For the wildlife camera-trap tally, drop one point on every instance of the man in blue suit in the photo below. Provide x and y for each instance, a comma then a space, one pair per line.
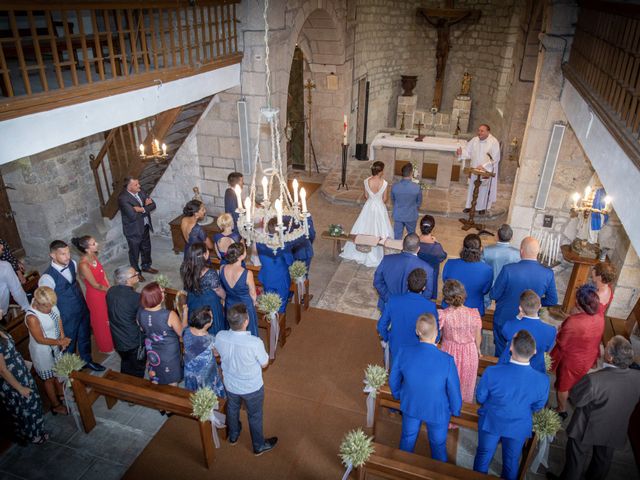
514, 279
509, 394
392, 274
407, 197
425, 380
527, 319
230, 198
302, 248
500, 254
397, 325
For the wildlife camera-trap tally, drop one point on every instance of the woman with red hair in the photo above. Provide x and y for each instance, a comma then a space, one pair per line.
577, 344
162, 330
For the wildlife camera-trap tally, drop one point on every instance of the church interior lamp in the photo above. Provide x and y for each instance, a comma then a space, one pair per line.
592, 210
157, 151
285, 207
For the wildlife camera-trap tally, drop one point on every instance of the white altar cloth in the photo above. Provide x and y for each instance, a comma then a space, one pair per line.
427, 143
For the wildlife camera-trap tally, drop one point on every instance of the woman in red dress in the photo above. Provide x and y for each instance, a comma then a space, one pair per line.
96, 286
577, 344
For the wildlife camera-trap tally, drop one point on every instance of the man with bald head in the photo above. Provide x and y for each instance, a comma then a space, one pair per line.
514, 279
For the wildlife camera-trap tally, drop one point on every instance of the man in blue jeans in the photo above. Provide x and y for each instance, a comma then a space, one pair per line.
243, 358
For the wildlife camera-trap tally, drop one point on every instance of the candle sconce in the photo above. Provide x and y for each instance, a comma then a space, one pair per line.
583, 205
586, 242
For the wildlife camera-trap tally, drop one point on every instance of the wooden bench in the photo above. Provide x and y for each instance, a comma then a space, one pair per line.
468, 419
337, 242
116, 386
391, 463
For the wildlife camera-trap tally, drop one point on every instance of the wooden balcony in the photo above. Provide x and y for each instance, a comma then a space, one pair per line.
55, 54
604, 67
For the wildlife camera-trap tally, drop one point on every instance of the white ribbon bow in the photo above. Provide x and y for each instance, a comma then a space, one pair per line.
371, 403
542, 457
69, 402
275, 333
218, 420
300, 287
348, 471
385, 346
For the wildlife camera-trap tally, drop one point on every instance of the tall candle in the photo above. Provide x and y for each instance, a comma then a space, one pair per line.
279, 211
265, 187
576, 197
295, 190
303, 197
157, 144
587, 192
238, 191
164, 148
247, 206
607, 201
141, 149
344, 132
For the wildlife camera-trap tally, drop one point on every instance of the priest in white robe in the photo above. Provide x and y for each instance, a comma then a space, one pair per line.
484, 152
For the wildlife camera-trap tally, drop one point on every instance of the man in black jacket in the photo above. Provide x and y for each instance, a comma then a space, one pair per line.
122, 307
604, 401
136, 207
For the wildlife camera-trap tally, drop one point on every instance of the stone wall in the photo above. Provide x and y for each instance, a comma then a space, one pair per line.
55, 197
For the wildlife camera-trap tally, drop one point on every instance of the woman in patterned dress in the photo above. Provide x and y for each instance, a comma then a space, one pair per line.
19, 394
461, 330
162, 329
46, 343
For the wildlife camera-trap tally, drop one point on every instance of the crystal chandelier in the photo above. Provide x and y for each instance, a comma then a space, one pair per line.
289, 211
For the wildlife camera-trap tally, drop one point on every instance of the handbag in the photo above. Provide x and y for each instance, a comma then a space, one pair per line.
141, 353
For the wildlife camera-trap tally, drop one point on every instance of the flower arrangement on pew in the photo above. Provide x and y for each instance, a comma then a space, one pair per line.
162, 280
204, 403
375, 377
546, 423
336, 230
298, 272
270, 304
355, 450
68, 362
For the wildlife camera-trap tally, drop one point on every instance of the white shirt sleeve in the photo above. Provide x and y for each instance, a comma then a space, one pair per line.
15, 287
46, 280
466, 150
261, 355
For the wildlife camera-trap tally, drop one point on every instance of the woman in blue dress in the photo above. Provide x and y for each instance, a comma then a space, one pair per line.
192, 213
239, 285
202, 285
226, 237
200, 367
274, 272
470, 271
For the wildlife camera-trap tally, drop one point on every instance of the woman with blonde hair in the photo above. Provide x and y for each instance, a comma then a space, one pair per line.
46, 343
226, 237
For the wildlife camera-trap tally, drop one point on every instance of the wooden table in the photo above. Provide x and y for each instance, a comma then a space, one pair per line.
579, 274
337, 241
176, 233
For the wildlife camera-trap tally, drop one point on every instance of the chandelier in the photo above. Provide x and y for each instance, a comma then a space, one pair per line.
290, 211
156, 153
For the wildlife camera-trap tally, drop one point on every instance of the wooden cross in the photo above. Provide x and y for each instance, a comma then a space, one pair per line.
442, 19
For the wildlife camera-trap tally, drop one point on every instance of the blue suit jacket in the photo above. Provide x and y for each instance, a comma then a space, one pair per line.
407, 198
302, 248
230, 205
397, 325
434, 255
476, 278
515, 279
509, 395
544, 335
274, 272
499, 255
393, 272
425, 380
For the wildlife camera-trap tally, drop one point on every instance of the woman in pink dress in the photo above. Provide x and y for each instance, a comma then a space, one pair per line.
96, 286
461, 335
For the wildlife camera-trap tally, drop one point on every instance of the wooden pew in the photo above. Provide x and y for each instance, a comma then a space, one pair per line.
468, 419
391, 463
116, 386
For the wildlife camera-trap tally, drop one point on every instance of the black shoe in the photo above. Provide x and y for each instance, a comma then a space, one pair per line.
234, 441
140, 277
466, 210
151, 270
96, 367
268, 444
552, 476
482, 212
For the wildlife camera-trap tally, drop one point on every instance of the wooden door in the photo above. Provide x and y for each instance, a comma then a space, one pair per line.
8, 228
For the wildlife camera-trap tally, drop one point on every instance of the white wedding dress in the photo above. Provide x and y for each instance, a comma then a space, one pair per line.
373, 220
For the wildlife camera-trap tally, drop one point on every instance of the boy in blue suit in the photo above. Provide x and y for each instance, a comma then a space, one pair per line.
514, 279
407, 197
425, 380
509, 395
393, 272
543, 334
397, 325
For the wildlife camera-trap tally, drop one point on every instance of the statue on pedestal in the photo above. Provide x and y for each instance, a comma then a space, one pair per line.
465, 88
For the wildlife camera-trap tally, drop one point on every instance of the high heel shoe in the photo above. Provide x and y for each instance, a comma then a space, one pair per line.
54, 407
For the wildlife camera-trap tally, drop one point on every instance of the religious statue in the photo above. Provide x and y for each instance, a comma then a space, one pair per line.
466, 84
197, 195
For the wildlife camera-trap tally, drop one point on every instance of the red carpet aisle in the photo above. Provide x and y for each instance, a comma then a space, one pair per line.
313, 397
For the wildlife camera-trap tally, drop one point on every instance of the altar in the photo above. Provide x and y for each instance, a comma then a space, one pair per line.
435, 156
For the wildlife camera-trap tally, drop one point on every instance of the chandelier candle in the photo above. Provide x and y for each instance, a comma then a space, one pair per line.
303, 196
265, 191
247, 207
238, 191
295, 190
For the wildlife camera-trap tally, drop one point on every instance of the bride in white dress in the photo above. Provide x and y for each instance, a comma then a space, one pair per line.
373, 219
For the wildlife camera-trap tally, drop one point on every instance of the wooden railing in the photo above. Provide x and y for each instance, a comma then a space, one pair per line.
604, 66
55, 53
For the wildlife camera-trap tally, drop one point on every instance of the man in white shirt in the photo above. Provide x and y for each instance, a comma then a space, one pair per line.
243, 358
10, 286
484, 152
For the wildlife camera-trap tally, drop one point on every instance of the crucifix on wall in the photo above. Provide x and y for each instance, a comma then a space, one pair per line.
442, 19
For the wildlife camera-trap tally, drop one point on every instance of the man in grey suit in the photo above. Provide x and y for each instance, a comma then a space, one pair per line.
407, 197
604, 401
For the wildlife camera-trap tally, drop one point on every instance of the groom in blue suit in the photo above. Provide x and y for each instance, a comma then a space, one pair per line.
392, 274
407, 197
425, 380
509, 394
397, 325
514, 279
